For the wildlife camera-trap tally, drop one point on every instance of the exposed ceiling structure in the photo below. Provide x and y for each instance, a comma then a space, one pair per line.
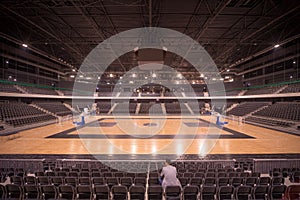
230, 30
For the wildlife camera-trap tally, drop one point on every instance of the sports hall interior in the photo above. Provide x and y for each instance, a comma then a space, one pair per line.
95, 96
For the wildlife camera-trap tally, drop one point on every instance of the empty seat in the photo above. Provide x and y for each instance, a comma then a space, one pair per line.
190, 192
137, 192
66, 191
223, 181
277, 181
48, 192
13, 191
31, 192
119, 192
264, 180
172, 192
126, 181
196, 181
101, 192
260, 192
155, 192
243, 192
292, 192
84, 192
277, 192
208, 192
225, 192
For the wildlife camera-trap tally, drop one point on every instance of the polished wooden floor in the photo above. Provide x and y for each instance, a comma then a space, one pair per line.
140, 135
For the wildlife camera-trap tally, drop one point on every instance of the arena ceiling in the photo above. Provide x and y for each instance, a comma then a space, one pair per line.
230, 30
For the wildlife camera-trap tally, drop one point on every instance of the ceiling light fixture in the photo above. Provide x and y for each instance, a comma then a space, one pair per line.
276, 45
24, 45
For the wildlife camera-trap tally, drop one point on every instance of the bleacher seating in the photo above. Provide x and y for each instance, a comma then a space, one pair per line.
8, 88
106, 94
282, 110
35, 90
103, 107
71, 93
125, 108
269, 122
55, 107
176, 108
155, 108
173, 108
246, 108
19, 114
233, 93
71, 179
292, 88
264, 90
143, 94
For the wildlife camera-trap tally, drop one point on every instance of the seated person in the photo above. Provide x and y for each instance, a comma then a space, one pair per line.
169, 174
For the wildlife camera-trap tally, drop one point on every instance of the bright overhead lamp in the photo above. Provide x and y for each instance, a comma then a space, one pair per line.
276, 45
73, 70
72, 76
24, 45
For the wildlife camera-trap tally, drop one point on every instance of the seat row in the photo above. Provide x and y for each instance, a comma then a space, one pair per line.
226, 192
128, 181
74, 181
225, 181
90, 174
138, 192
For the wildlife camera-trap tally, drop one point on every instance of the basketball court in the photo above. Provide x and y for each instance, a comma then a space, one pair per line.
105, 135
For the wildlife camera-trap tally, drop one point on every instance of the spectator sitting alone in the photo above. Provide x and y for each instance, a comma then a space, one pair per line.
169, 175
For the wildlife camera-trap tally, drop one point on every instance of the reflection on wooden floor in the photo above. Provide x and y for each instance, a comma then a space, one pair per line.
142, 135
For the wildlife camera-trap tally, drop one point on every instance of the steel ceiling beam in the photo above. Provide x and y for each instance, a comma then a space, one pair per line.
95, 26
40, 28
216, 12
259, 30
